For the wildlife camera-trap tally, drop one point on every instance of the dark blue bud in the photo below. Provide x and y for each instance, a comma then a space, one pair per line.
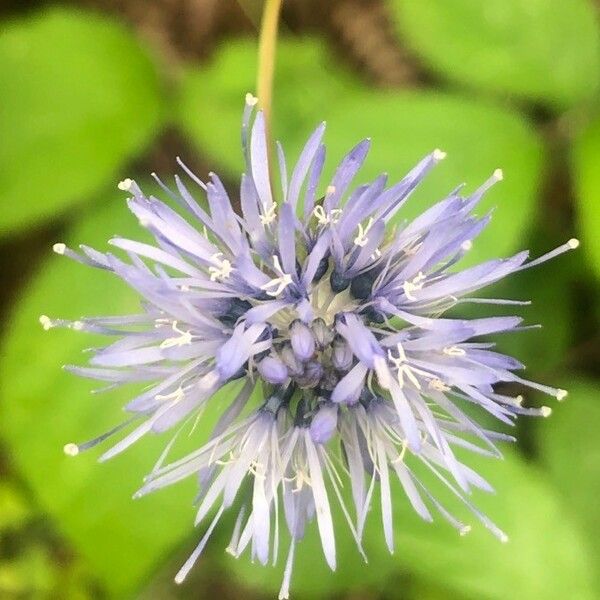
321, 269
303, 340
362, 286
338, 282
371, 314
237, 308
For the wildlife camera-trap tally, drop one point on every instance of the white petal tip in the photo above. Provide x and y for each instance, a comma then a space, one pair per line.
71, 449
125, 185
439, 154
498, 175
561, 394
573, 243
546, 411
251, 99
46, 322
59, 248
464, 530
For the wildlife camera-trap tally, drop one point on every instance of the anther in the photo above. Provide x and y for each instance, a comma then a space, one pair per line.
413, 285
59, 248
223, 270
251, 99
46, 322
361, 239
183, 339
453, 351
125, 185
269, 216
561, 394
279, 283
71, 449
439, 154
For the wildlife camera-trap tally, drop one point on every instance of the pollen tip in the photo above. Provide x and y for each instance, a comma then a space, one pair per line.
439, 154
251, 99
125, 185
519, 400
71, 449
498, 175
77, 325
573, 243
330, 189
45, 322
467, 245
464, 530
546, 411
561, 394
59, 248
503, 538
179, 579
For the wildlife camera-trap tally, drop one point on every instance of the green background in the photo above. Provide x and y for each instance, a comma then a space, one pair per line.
93, 92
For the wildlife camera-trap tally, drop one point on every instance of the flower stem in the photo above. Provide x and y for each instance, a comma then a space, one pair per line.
266, 59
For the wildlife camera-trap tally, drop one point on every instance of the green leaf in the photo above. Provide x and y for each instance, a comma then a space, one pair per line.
570, 450
404, 126
586, 157
80, 97
14, 509
43, 407
540, 529
545, 51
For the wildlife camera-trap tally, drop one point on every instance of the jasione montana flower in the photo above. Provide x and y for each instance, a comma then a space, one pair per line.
325, 321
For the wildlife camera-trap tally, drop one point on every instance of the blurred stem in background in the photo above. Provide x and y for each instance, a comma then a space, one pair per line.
266, 60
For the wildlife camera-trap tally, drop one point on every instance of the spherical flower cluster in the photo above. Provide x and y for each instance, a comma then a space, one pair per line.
326, 322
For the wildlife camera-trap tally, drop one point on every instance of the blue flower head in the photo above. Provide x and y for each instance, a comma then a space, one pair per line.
328, 325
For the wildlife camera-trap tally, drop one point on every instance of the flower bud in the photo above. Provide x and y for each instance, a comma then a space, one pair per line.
295, 367
303, 341
342, 354
324, 423
313, 371
273, 370
323, 334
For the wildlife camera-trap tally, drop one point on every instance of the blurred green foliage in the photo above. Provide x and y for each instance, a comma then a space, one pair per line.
545, 50
82, 96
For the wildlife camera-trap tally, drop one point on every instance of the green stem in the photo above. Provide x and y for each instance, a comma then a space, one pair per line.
266, 60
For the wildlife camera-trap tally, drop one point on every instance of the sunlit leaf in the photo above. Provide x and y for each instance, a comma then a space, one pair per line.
540, 532
79, 98
587, 180
570, 450
544, 51
404, 126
